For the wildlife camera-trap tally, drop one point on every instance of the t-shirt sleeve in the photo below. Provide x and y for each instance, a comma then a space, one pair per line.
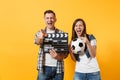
93, 40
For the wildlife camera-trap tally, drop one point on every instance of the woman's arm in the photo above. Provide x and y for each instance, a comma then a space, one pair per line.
91, 48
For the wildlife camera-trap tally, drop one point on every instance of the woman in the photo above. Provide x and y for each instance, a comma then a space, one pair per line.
86, 66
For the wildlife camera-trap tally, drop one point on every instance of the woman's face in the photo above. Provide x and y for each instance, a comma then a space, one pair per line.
79, 27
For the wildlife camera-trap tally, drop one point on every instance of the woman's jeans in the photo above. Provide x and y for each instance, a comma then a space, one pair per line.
87, 76
50, 74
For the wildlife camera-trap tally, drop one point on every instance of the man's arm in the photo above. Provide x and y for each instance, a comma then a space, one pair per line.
58, 56
38, 41
39, 37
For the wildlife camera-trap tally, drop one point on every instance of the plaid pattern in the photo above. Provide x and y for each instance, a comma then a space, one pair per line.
41, 57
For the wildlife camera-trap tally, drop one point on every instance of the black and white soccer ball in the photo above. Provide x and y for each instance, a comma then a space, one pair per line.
78, 46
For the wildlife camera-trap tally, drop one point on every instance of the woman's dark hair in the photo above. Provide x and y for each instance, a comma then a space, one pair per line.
74, 35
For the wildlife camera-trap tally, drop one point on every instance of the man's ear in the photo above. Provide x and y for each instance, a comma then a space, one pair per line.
55, 19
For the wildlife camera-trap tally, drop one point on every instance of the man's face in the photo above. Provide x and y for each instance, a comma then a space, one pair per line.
50, 20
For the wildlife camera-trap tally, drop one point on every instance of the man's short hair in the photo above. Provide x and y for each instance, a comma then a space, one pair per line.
49, 11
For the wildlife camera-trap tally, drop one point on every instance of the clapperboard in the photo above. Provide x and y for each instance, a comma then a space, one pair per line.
56, 41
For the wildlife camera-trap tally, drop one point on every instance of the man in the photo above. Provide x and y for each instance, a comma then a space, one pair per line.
50, 65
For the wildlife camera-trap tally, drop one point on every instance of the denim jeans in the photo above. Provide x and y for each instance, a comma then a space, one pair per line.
87, 76
50, 74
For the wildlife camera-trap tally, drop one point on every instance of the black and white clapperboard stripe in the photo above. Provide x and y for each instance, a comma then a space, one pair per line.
56, 41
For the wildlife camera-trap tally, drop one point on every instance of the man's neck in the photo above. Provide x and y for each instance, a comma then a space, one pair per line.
50, 29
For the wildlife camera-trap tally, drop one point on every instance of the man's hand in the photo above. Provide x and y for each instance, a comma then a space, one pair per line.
42, 34
40, 37
56, 55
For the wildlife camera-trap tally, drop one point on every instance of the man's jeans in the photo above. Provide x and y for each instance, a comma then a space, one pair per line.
87, 76
50, 74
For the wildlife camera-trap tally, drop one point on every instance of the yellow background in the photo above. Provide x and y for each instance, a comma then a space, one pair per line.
21, 19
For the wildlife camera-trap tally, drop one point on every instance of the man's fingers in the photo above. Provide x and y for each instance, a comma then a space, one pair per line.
44, 33
52, 51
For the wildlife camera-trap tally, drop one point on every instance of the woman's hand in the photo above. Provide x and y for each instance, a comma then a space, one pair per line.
85, 39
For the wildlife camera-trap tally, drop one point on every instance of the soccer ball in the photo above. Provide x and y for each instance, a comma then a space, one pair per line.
78, 46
